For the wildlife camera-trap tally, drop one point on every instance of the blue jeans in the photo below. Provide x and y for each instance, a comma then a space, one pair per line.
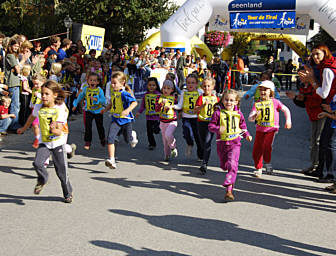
15, 106
5, 123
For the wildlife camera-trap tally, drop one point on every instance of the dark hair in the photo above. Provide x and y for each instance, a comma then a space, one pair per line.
325, 50
10, 44
55, 88
267, 73
154, 79
94, 74
192, 75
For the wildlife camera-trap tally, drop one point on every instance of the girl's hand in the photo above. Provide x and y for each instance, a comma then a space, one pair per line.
12, 115
322, 115
288, 126
326, 108
124, 113
222, 129
137, 115
20, 130
249, 138
52, 126
164, 101
73, 109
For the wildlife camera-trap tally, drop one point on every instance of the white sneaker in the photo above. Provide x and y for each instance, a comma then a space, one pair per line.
189, 150
258, 173
134, 141
174, 153
110, 163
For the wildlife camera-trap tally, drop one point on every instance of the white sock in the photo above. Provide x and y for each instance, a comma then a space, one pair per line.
112, 159
68, 148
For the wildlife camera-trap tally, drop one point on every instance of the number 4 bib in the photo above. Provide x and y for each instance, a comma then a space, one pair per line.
230, 120
266, 117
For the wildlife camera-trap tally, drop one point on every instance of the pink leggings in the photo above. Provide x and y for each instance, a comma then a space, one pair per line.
167, 131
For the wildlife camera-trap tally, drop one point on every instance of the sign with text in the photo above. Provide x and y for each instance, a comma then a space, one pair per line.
246, 20
261, 5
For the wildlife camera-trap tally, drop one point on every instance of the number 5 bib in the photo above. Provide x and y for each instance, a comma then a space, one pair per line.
189, 102
46, 117
266, 117
230, 121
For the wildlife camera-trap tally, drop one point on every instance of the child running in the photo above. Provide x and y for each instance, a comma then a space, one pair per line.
152, 117
95, 100
229, 125
53, 128
266, 113
38, 80
121, 103
168, 119
187, 103
205, 108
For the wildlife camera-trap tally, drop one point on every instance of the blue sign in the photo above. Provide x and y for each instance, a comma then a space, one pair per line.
260, 5
95, 42
245, 20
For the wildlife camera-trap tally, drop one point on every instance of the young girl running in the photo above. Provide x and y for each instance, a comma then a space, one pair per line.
205, 108
266, 113
38, 80
187, 103
53, 129
95, 100
229, 125
152, 117
168, 119
121, 104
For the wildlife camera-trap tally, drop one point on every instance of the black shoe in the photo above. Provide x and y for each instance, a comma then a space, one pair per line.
327, 179
150, 147
308, 170
313, 174
203, 168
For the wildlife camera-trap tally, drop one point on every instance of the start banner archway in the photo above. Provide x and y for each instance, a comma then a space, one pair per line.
243, 14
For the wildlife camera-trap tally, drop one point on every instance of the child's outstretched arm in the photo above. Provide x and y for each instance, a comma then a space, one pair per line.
78, 99
28, 123
129, 109
250, 93
287, 113
253, 114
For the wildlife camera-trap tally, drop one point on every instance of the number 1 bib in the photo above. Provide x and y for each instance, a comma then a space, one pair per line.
150, 104
266, 117
90, 104
206, 112
189, 102
46, 117
35, 99
116, 104
230, 120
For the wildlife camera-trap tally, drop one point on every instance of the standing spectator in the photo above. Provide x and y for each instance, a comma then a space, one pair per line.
2, 52
180, 64
289, 70
240, 72
55, 43
37, 48
62, 52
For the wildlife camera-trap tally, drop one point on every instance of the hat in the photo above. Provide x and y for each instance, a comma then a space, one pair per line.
267, 84
168, 83
51, 52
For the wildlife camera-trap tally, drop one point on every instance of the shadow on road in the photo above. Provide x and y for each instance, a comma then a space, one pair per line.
133, 252
4, 198
226, 231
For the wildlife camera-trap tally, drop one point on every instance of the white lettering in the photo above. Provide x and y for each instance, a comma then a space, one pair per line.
190, 16
248, 5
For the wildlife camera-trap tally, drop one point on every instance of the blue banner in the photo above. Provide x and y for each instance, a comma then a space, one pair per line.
261, 5
245, 20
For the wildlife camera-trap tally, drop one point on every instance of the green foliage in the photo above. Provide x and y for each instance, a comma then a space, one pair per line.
240, 43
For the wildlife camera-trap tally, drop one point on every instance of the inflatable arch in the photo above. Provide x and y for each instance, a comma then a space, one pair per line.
178, 30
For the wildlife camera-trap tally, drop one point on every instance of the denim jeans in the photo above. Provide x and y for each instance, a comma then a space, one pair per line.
5, 123
15, 106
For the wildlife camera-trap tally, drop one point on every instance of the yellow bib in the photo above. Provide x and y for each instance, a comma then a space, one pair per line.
206, 112
164, 113
46, 117
90, 104
189, 102
116, 104
230, 120
34, 99
150, 104
266, 117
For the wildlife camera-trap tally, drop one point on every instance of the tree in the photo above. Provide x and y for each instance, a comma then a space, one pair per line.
124, 21
323, 38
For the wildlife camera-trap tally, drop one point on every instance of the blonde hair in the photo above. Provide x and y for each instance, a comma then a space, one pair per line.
121, 77
56, 68
226, 92
210, 79
26, 68
4, 99
39, 77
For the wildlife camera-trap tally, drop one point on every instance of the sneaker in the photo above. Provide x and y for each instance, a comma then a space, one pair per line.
150, 147
110, 163
3, 133
331, 187
189, 151
174, 153
309, 170
199, 160
103, 142
229, 196
258, 173
203, 168
35, 143
167, 158
134, 141
38, 188
73, 151
269, 169
68, 200
87, 145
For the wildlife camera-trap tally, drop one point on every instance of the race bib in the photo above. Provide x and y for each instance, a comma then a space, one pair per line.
167, 114
230, 121
46, 117
189, 102
91, 98
206, 112
35, 99
150, 104
266, 117
116, 104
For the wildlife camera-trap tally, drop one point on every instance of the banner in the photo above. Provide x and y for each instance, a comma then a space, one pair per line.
245, 20
93, 38
264, 5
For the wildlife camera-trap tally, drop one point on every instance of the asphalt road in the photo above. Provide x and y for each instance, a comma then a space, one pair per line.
149, 207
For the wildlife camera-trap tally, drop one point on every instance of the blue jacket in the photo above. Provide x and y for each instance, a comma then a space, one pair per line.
100, 100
